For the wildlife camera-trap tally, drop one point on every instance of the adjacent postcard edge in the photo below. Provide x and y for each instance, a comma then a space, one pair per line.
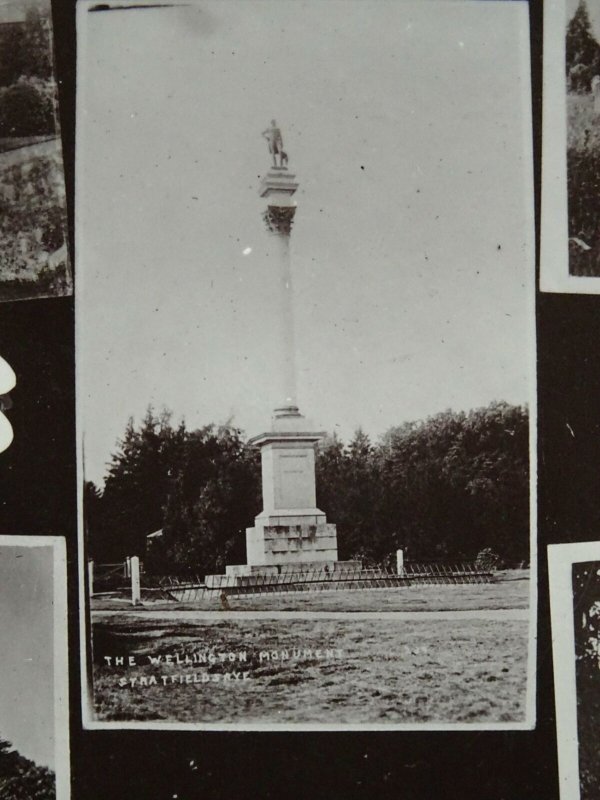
561, 558
61, 657
554, 247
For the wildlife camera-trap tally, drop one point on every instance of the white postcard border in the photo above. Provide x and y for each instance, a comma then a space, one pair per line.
561, 558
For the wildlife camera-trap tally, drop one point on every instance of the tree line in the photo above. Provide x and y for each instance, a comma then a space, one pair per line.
443, 488
22, 779
27, 89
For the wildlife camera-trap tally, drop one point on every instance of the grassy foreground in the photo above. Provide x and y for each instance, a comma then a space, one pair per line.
312, 671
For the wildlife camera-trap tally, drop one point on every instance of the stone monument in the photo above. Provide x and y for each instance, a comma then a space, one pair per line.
290, 534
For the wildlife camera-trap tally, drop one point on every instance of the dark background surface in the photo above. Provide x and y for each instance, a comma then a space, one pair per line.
38, 496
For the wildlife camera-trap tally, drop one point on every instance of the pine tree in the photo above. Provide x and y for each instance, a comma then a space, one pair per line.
445, 487
214, 497
138, 481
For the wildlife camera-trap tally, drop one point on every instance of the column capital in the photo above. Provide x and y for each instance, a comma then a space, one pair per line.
278, 219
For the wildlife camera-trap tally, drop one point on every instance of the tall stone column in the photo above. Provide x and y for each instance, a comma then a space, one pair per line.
278, 187
290, 533
290, 529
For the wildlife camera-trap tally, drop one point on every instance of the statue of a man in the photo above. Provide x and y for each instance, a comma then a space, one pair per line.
275, 141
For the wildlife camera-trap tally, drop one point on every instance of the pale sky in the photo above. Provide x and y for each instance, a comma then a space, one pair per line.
27, 714
407, 126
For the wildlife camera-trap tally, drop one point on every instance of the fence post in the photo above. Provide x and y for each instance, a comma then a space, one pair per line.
136, 595
91, 578
127, 567
400, 561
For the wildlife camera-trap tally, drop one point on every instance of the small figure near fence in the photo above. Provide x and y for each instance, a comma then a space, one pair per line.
224, 602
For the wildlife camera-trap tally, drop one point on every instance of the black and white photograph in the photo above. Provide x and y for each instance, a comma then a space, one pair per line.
306, 365
570, 246
575, 606
299, 373
34, 259
34, 736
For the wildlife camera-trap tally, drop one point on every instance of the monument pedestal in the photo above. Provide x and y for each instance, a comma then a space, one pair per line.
290, 535
290, 529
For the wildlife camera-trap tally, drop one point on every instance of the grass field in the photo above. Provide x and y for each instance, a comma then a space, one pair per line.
352, 671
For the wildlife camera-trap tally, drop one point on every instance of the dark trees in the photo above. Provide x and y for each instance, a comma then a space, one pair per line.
201, 488
348, 490
136, 489
582, 51
464, 480
25, 111
27, 89
443, 488
25, 50
213, 497
21, 779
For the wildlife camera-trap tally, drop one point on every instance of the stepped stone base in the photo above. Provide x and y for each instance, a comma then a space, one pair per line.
285, 543
290, 540
257, 574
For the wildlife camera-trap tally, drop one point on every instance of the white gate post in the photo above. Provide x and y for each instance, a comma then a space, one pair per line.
136, 595
400, 562
91, 577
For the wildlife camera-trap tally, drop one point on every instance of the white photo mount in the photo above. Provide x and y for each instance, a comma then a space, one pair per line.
58, 590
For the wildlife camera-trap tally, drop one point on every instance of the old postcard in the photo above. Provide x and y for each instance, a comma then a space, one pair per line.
306, 365
34, 259
575, 608
34, 718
